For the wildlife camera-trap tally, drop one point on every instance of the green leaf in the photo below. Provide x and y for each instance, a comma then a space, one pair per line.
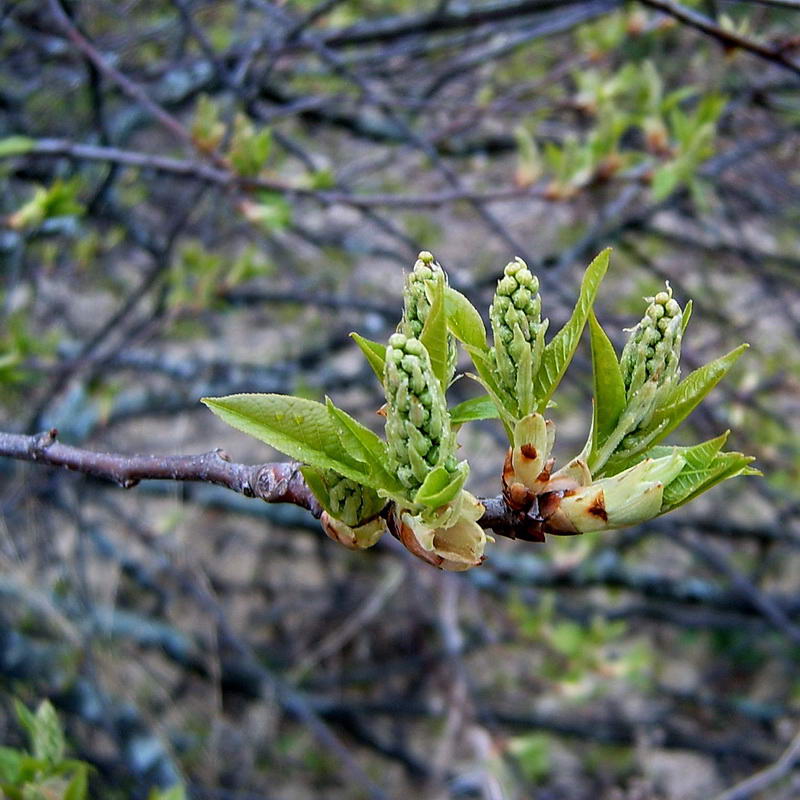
464, 321
687, 395
526, 401
314, 480
9, 764
434, 333
48, 737
16, 146
475, 408
366, 446
705, 467
26, 718
440, 487
506, 406
559, 352
78, 787
609, 389
176, 792
687, 315
374, 352
665, 179
303, 429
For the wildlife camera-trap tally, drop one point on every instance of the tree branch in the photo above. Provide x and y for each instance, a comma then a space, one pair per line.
273, 483
727, 38
277, 482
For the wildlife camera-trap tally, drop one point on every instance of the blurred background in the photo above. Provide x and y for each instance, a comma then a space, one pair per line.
203, 197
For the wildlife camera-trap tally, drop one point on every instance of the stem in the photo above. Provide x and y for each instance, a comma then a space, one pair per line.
280, 482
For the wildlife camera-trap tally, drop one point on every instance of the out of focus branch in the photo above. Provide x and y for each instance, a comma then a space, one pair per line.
762, 780
727, 38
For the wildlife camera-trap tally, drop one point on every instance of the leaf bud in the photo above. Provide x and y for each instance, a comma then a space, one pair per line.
452, 540
629, 498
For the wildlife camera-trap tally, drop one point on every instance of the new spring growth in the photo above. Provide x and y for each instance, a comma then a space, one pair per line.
629, 498
518, 329
650, 369
422, 445
417, 423
417, 304
351, 510
412, 478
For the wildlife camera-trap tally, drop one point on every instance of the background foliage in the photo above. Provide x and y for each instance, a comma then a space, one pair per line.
203, 198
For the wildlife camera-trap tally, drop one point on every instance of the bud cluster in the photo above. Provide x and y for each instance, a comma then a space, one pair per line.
653, 350
518, 330
351, 502
426, 273
650, 368
417, 423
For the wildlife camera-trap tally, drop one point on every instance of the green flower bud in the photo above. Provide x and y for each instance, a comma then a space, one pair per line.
653, 348
417, 423
426, 272
518, 331
343, 499
650, 369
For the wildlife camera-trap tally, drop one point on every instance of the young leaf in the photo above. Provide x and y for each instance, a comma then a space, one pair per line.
559, 352
609, 389
475, 408
374, 352
464, 321
10, 765
434, 333
303, 429
314, 480
176, 792
16, 146
365, 445
48, 736
505, 405
526, 402
26, 718
440, 487
705, 467
686, 396
687, 315
78, 787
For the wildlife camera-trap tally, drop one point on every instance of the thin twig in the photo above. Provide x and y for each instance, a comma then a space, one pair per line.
728, 38
767, 777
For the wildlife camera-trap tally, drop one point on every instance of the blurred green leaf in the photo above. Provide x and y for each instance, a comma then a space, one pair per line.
16, 146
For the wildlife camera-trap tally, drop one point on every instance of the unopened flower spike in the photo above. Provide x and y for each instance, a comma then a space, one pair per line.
422, 446
417, 423
650, 369
518, 329
417, 305
351, 510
